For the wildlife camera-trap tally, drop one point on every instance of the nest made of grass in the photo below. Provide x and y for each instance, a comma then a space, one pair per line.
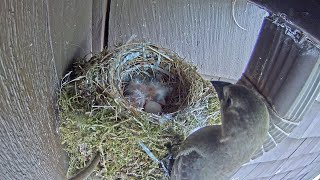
96, 115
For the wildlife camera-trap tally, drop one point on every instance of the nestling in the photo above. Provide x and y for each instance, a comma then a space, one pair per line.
216, 152
149, 95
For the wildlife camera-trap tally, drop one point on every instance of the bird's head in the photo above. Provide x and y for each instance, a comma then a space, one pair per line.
241, 110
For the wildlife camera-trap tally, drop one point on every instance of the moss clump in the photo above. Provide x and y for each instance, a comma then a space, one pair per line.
96, 116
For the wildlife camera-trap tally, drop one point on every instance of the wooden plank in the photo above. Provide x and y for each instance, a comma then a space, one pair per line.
279, 176
293, 174
30, 147
312, 168
315, 147
310, 144
203, 32
313, 129
310, 172
301, 177
70, 27
317, 159
76, 29
282, 151
99, 8
265, 178
297, 162
244, 171
265, 169
38, 41
307, 121
307, 172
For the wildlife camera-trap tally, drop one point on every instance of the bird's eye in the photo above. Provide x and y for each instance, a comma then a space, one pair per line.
229, 101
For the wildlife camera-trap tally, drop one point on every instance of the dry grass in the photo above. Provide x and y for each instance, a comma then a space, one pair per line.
96, 116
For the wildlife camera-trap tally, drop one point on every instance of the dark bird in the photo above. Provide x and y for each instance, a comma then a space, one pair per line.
216, 152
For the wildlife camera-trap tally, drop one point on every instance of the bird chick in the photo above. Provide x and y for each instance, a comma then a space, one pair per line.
152, 107
147, 94
136, 93
158, 92
216, 152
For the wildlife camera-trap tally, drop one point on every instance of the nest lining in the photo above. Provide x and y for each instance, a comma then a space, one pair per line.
96, 114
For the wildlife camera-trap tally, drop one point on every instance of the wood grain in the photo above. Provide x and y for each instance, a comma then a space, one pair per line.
70, 30
30, 148
38, 40
203, 32
298, 154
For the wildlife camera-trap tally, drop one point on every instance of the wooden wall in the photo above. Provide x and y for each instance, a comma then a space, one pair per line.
204, 32
38, 39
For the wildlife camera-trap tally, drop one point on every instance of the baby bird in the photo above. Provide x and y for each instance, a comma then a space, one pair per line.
157, 92
216, 152
152, 107
136, 93
149, 95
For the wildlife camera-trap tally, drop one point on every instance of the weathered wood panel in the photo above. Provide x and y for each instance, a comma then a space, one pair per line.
99, 10
309, 172
38, 39
203, 32
317, 159
293, 163
308, 146
298, 157
309, 123
30, 148
290, 168
245, 170
293, 174
265, 169
278, 176
76, 29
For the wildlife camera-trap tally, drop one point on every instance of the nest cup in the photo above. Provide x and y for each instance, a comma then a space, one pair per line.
149, 63
96, 113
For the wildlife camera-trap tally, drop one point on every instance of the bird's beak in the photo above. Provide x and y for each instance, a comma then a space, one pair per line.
218, 86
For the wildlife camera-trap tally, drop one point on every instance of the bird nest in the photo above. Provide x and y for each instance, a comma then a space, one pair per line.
105, 106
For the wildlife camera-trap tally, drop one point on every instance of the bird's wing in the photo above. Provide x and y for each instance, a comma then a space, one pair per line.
187, 166
195, 149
